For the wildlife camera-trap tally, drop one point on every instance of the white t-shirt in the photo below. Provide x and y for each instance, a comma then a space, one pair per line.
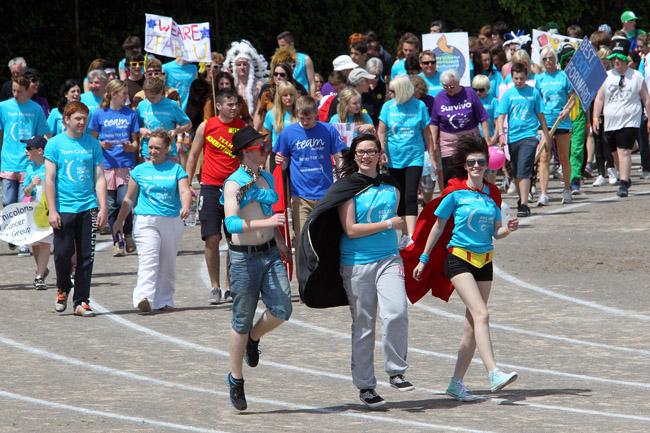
623, 100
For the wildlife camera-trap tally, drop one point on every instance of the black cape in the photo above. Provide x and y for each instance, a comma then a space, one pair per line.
319, 257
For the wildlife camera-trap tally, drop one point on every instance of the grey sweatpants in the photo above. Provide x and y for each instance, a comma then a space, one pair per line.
381, 281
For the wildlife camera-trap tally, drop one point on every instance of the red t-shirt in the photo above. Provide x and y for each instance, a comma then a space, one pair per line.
218, 160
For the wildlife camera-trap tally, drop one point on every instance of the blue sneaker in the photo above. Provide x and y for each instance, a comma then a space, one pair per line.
458, 391
499, 379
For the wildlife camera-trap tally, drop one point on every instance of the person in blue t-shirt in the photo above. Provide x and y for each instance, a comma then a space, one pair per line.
179, 74
157, 111
408, 44
75, 186
97, 80
306, 148
70, 91
163, 193
477, 220
524, 107
283, 112
20, 119
372, 272
117, 126
555, 89
33, 187
303, 70
429, 73
348, 110
404, 135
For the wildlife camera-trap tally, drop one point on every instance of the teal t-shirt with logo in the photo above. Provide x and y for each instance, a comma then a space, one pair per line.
521, 106
158, 188
19, 122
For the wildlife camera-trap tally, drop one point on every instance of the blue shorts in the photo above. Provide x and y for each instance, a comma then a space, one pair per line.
252, 274
522, 157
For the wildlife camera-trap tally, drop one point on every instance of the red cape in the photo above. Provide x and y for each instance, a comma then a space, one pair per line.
280, 206
433, 276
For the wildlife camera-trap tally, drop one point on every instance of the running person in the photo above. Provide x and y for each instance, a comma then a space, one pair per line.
372, 272
162, 193
469, 262
257, 252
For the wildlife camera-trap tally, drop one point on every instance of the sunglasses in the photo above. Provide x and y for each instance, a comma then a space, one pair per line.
280, 74
548, 59
479, 89
136, 64
449, 86
154, 73
369, 152
428, 62
473, 162
261, 147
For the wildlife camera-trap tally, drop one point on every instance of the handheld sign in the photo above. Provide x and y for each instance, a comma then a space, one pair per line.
163, 36
585, 73
452, 52
23, 224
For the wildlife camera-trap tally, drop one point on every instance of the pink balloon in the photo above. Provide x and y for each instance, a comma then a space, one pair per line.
497, 158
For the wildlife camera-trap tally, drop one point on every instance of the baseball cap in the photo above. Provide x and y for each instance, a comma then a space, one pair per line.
242, 138
628, 16
358, 74
620, 48
343, 62
36, 142
605, 28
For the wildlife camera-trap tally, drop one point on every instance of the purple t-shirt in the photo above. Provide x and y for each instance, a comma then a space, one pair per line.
461, 112
327, 89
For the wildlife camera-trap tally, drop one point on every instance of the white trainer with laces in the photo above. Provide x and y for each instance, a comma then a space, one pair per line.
600, 181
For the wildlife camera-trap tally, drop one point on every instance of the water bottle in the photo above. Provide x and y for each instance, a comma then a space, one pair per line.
190, 221
505, 214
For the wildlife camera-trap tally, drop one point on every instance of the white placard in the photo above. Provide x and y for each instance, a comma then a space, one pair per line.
24, 223
452, 52
163, 36
542, 39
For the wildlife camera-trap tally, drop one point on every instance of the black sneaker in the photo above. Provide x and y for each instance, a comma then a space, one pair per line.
623, 189
371, 398
523, 211
12, 247
398, 382
237, 395
252, 355
227, 296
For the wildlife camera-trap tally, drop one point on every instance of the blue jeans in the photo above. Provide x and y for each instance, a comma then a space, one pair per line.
252, 274
115, 198
12, 191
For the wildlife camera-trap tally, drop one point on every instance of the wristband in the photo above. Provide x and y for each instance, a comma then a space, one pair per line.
424, 258
234, 224
390, 224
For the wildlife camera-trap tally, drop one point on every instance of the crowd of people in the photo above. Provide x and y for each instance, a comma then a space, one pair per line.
359, 154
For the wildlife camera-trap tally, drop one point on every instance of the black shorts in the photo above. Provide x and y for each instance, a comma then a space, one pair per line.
211, 212
560, 131
623, 138
455, 266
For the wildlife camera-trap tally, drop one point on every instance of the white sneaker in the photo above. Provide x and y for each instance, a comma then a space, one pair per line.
512, 188
216, 296
600, 181
612, 173
567, 197
542, 200
645, 175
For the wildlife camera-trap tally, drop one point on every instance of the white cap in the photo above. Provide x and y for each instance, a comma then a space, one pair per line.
343, 62
358, 74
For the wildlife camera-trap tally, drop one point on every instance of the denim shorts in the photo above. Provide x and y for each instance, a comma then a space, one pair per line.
522, 156
252, 274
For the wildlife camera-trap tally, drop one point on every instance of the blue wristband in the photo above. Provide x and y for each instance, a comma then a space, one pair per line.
234, 224
424, 258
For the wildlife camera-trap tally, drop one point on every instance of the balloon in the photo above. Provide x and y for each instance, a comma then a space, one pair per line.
497, 158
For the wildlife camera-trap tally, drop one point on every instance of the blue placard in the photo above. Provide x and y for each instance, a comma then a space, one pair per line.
586, 73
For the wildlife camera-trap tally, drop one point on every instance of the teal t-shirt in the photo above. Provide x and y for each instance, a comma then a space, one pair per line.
300, 70
165, 114
491, 105
365, 118
180, 77
33, 171
474, 217
521, 106
555, 89
75, 159
405, 123
398, 68
55, 121
269, 120
92, 102
433, 83
158, 188
19, 122
374, 204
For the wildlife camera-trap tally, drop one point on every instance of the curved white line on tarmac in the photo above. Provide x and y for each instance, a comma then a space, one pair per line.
459, 317
103, 414
168, 384
589, 304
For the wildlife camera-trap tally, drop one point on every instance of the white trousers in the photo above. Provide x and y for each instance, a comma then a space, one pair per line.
157, 239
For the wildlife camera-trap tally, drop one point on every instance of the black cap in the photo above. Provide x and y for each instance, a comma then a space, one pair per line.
242, 138
620, 48
37, 142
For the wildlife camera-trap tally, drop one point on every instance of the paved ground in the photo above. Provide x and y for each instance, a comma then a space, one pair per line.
570, 312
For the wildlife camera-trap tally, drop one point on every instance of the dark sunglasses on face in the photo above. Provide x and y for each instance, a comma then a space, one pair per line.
428, 62
280, 74
473, 162
479, 89
449, 86
548, 59
136, 64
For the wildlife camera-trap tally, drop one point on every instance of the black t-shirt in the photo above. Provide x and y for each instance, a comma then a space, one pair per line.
134, 87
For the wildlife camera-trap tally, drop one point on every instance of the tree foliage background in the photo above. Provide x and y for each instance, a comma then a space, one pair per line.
60, 38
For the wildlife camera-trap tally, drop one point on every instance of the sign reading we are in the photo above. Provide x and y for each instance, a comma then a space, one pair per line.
163, 36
